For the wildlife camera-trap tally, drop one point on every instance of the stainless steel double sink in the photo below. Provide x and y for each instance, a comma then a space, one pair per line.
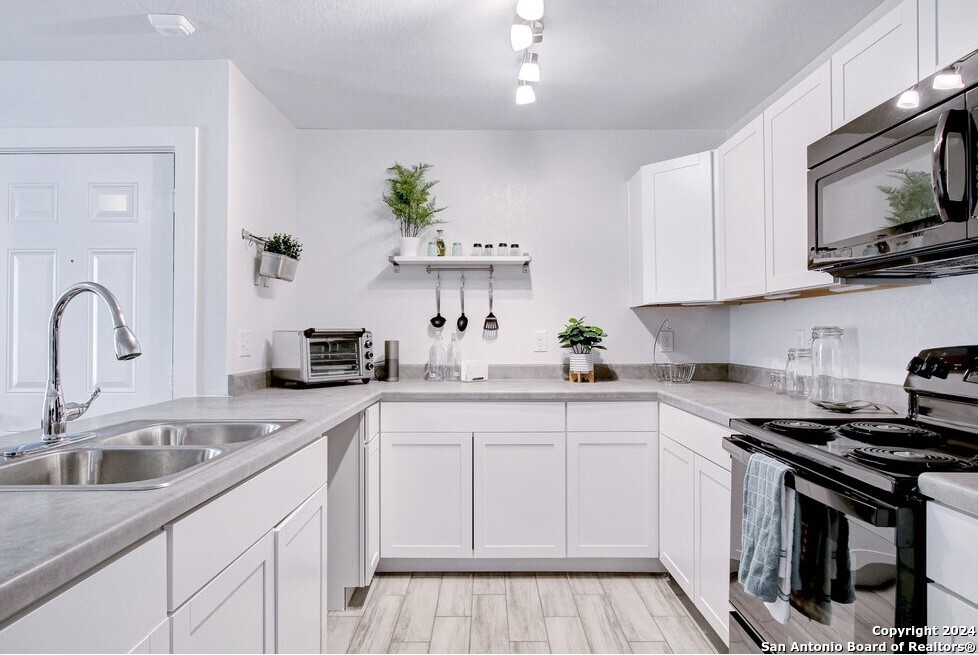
132, 456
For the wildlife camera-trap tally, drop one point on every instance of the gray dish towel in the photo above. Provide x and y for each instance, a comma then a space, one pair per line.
762, 533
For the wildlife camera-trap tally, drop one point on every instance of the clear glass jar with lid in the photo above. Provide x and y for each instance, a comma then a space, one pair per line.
798, 373
829, 381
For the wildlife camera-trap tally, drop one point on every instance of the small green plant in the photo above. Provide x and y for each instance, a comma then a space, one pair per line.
912, 200
284, 244
410, 198
581, 338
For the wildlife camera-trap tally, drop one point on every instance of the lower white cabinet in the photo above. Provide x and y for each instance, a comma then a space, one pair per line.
300, 578
519, 494
116, 609
157, 642
953, 617
426, 494
371, 502
234, 612
676, 516
612, 494
712, 539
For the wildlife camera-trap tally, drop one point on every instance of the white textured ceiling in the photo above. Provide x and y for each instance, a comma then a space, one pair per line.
606, 64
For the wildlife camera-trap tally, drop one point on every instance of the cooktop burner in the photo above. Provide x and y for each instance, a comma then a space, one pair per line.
909, 458
890, 434
802, 430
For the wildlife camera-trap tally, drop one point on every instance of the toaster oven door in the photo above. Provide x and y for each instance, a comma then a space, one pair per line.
332, 358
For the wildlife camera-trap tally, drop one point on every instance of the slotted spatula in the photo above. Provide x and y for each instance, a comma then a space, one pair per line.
491, 326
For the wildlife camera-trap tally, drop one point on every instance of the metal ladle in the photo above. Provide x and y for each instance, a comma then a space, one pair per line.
463, 321
438, 320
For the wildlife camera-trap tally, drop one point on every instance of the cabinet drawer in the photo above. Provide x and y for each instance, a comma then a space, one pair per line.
621, 416
944, 609
699, 435
950, 552
205, 541
473, 417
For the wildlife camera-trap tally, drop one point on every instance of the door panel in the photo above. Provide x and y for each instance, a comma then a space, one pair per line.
676, 513
71, 218
713, 544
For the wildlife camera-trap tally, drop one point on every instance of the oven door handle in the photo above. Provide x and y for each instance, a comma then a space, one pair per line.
953, 121
865, 509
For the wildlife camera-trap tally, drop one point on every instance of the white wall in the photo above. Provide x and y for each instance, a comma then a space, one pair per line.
884, 328
147, 94
261, 199
560, 194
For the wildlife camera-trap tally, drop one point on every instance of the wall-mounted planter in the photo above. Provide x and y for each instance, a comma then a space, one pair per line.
277, 266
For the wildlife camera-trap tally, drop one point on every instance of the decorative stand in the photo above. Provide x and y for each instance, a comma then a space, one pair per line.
581, 376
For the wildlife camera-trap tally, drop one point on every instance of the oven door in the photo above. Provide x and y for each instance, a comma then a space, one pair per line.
906, 189
333, 358
882, 585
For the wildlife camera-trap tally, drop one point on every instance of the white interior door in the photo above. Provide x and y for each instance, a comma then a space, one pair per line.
106, 218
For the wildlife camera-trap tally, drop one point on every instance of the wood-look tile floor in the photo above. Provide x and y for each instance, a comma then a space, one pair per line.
519, 613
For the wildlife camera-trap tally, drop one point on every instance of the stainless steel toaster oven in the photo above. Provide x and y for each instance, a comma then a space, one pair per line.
314, 356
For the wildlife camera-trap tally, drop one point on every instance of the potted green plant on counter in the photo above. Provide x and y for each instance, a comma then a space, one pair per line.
280, 258
581, 339
410, 201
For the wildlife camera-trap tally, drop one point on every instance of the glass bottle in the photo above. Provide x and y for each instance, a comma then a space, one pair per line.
477, 250
828, 365
487, 251
453, 360
798, 373
436, 359
457, 249
440, 242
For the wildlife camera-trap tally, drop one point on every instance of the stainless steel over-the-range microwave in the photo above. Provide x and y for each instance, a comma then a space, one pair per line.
314, 356
893, 194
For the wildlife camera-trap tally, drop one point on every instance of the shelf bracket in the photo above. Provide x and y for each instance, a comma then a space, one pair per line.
259, 244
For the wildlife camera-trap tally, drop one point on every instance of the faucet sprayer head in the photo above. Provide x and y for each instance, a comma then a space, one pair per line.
126, 344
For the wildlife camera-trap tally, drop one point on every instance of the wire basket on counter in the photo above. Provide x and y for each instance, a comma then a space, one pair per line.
674, 373
671, 373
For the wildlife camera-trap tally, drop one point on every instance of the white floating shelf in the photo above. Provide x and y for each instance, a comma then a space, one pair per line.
460, 263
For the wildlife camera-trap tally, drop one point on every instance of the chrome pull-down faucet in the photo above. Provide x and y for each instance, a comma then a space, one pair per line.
56, 412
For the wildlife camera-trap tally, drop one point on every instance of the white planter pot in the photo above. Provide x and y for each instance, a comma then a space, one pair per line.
278, 266
410, 246
581, 362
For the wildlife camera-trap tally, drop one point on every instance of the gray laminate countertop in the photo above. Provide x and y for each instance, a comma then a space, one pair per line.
957, 490
48, 538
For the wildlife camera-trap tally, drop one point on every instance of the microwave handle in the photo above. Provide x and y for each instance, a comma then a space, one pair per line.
953, 121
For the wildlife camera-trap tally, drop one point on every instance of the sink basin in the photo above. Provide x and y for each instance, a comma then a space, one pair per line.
105, 468
192, 433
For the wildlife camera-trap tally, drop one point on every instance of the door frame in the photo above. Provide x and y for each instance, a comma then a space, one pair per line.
182, 143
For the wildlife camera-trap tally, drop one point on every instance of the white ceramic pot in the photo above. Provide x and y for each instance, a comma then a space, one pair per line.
581, 362
410, 246
278, 266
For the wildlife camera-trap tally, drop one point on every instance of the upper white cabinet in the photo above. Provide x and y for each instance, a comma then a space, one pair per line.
740, 238
946, 32
876, 65
670, 223
794, 121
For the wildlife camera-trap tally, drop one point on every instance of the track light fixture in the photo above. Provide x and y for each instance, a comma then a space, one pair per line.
530, 68
525, 94
530, 9
524, 33
949, 78
909, 99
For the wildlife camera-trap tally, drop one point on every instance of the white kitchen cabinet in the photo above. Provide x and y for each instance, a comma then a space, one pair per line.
950, 553
234, 612
876, 65
740, 240
947, 611
371, 503
800, 117
612, 493
670, 222
676, 515
300, 578
519, 494
712, 543
113, 610
946, 32
426, 494
157, 642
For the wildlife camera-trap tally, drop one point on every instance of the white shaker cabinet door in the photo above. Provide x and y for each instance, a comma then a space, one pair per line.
300, 578
791, 124
676, 511
519, 494
612, 494
946, 32
234, 612
426, 494
740, 243
712, 543
876, 65
371, 504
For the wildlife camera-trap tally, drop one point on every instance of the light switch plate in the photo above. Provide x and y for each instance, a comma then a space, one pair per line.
667, 341
244, 343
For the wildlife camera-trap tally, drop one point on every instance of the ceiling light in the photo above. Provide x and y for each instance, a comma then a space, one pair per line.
530, 9
523, 34
909, 99
530, 68
525, 94
949, 78
171, 24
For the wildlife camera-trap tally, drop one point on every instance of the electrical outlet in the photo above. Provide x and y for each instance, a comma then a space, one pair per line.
540, 341
244, 343
667, 341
